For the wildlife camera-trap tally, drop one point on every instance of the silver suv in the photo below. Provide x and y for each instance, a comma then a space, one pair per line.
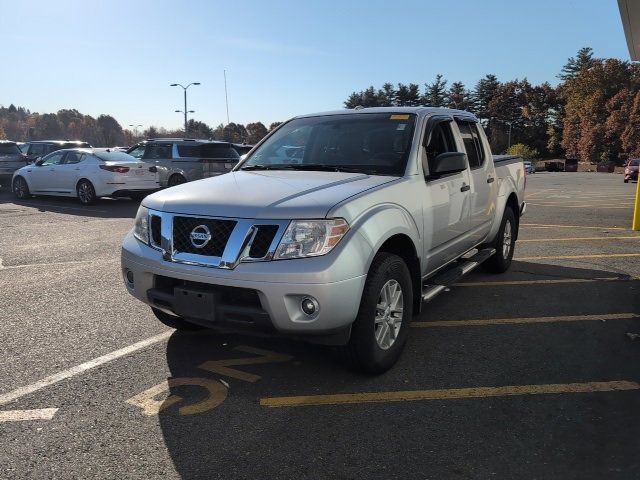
183, 160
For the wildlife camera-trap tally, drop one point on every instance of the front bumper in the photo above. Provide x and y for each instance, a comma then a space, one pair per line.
278, 288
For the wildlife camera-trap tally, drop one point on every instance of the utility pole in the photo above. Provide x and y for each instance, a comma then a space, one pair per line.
226, 98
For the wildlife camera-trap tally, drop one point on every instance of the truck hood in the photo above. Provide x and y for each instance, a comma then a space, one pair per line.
265, 194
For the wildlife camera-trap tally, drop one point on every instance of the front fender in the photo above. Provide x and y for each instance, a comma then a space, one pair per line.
381, 222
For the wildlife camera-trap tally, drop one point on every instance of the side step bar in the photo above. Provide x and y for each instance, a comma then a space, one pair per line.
453, 273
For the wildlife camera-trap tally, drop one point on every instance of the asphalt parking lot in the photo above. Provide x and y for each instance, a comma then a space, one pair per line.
529, 374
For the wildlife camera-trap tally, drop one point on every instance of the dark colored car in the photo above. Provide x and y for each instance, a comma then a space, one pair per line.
606, 167
631, 170
39, 148
11, 159
571, 165
241, 148
554, 167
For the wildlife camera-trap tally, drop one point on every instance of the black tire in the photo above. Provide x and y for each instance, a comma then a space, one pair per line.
172, 321
364, 351
85, 192
137, 197
626, 180
501, 260
176, 179
21, 189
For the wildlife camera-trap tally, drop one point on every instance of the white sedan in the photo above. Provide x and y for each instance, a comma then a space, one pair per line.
87, 174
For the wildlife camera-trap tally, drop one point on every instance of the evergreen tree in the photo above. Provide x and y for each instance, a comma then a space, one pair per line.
436, 92
583, 59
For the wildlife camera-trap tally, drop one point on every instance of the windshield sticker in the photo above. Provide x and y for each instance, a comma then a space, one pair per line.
399, 117
401, 126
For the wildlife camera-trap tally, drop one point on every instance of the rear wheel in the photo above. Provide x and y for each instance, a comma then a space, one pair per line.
172, 321
504, 244
86, 192
176, 179
21, 189
380, 330
137, 196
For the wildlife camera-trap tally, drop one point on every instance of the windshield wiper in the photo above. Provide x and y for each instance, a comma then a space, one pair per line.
259, 167
322, 167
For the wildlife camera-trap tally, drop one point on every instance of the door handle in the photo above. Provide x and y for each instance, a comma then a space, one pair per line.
490, 180
465, 188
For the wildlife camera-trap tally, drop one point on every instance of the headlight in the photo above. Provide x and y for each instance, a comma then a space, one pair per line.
311, 238
141, 226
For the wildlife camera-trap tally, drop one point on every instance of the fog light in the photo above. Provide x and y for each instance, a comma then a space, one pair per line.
129, 275
309, 306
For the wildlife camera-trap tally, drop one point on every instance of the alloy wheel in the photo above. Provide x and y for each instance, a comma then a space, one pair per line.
389, 314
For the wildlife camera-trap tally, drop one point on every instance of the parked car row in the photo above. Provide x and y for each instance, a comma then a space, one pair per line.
631, 170
74, 168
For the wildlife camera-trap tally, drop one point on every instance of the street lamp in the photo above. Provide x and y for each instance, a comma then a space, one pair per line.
185, 111
135, 128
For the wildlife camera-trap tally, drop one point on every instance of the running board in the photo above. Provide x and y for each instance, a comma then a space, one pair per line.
453, 273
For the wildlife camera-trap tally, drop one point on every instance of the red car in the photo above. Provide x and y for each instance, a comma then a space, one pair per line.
631, 170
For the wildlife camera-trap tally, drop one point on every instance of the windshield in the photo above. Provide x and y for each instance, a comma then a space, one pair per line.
634, 163
114, 156
376, 144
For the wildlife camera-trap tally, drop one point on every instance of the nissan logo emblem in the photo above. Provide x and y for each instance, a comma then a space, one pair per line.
200, 236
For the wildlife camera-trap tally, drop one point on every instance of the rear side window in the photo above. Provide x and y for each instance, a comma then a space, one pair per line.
634, 163
158, 151
9, 149
189, 151
472, 143
219, 151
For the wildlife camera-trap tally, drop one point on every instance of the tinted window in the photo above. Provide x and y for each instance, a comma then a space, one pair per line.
75, 145
37, 150
9, 149
634, 163
219, 150
158, 151
439, 140
469, 144
478, 141
113, 156
53, 158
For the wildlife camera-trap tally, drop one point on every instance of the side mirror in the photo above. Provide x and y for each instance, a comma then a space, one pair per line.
447, 163
38, 162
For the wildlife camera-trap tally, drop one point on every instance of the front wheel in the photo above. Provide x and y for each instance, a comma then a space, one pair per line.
380, 330
86, 192
21, 189
504, 244
172, 321
176, 179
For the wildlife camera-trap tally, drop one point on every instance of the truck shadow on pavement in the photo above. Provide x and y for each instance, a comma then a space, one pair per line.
240, 438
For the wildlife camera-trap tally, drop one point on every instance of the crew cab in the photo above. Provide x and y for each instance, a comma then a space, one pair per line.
379, 211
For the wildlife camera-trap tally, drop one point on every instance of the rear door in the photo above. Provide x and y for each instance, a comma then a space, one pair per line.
68, 172
483, 181
446, 199
218, 158
160, 155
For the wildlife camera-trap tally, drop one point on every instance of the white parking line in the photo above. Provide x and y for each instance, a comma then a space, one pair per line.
83, 367
21, 415
44, 264
48, 205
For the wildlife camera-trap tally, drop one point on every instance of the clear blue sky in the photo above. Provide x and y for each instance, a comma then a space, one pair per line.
282, 57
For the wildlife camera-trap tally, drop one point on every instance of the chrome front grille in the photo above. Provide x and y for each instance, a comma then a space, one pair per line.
230, 240
220, 231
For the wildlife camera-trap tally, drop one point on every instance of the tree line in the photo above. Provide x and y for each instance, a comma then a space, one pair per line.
19, 124
593, 114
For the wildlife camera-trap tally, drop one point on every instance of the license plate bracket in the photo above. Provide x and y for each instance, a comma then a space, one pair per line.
194, 303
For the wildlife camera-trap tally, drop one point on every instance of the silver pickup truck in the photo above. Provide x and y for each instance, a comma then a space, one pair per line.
335, 228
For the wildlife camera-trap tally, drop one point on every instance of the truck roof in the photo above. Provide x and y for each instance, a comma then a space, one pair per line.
423, 111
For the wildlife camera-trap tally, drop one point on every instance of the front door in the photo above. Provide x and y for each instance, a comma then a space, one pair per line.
446, 200
43, 174
67, 173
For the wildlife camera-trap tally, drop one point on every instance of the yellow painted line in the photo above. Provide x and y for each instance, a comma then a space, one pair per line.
544, 225
22, 415
525, 320
568, 257
575, 206
576, 239
447, 394
541, 282
577, 203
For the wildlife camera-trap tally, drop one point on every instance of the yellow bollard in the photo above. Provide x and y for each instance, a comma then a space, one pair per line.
636, 211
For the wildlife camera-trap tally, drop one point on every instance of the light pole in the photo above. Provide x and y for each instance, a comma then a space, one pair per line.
185, 111
135, 129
